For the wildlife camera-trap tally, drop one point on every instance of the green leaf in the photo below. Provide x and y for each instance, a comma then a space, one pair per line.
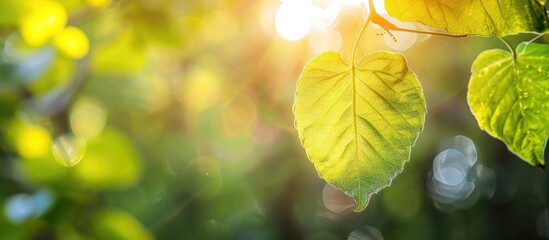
358, 124
510, 98
117, 224
476, 17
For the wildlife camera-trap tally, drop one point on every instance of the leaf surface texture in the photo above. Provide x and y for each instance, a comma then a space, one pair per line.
510, 99
474, 17
358, 124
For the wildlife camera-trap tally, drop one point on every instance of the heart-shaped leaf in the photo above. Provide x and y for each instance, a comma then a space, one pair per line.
477, 17
358, 124
510, 98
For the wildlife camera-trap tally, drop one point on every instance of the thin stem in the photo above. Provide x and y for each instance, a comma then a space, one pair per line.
427, 32
537, 37
509, 46
358, 39
371, 6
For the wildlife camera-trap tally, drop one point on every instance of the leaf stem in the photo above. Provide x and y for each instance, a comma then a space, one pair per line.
537, 37
513, 53
358, 39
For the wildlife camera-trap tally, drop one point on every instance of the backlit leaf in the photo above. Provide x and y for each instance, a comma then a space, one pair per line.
476, 17
510, 98
358, 124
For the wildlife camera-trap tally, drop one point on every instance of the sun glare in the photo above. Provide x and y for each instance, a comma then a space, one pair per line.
379, 5
294, 19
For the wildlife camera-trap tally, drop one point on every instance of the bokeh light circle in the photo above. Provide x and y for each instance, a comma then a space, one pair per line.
293, 20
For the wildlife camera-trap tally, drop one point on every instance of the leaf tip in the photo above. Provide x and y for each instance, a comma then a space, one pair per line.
360, 204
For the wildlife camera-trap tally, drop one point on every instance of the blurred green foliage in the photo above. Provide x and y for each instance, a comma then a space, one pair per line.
186, 111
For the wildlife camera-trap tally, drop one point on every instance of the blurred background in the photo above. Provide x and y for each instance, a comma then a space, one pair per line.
172, 119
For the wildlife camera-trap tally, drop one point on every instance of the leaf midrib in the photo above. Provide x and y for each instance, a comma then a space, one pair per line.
517, 83
353, 78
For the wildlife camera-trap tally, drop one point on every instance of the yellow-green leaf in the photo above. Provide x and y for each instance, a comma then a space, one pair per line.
358, 124
475, 17
510, 98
